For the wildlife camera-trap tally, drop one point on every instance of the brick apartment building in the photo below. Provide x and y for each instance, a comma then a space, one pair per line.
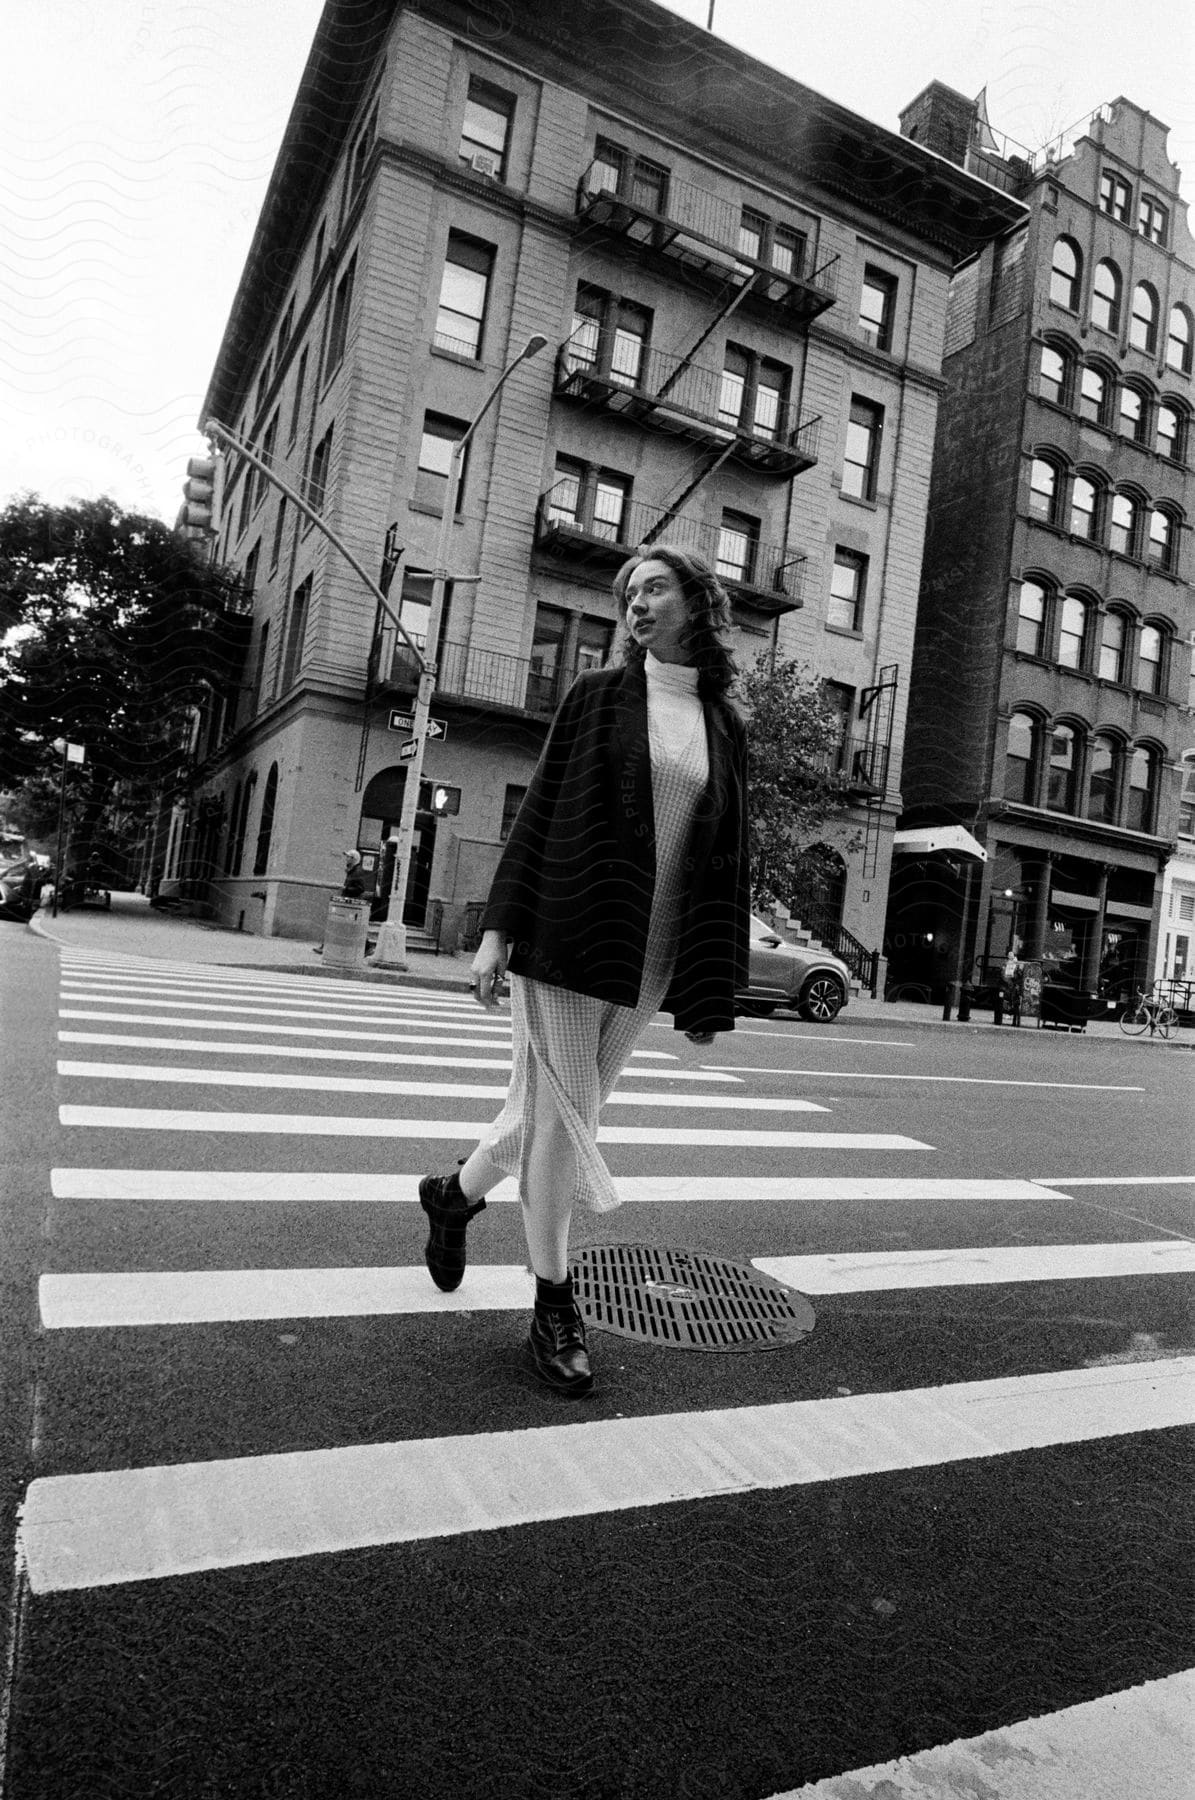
744, 290
1053, 687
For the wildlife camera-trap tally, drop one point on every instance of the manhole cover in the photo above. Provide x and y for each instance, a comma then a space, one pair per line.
686, 1299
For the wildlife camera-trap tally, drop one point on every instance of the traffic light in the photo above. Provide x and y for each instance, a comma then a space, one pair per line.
198, 515
439, 800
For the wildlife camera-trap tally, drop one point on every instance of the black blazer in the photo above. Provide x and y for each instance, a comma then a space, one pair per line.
573, 888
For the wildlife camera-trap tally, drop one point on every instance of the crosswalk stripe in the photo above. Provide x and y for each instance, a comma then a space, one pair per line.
338, 1011
1115, 1746
223, 981
116, 1040
1095, 1087
435, 1090
859, 1272
210, 1296
258, 1028
308, 1187
138, 1118
126, 1525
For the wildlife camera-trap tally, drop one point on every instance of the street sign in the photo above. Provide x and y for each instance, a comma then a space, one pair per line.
401, 721
406, 751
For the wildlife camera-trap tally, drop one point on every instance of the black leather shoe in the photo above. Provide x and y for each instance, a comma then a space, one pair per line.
442, 1199
557, 1344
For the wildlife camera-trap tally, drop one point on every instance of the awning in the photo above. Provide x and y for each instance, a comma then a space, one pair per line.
930, 840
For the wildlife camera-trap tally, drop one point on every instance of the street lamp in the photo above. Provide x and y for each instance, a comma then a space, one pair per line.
392, 937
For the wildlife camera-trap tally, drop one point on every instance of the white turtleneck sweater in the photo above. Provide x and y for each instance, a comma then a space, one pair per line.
675, 717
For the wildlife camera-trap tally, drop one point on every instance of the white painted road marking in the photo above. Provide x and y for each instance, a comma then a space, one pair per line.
1137, 1744
1096, 1087
312, 1053
861, 1272
145, 1118
1070, 1181
84, 1531
210, 1296
305, 1187
425, 1090
301, 1009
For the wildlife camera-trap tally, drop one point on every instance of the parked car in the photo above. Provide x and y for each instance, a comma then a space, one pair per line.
21, 882
813, 981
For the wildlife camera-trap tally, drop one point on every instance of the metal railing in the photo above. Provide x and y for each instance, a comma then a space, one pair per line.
464, 671
864, 964
861, 762
566, 524
657, 383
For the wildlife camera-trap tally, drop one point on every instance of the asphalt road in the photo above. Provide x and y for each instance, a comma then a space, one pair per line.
295, 1525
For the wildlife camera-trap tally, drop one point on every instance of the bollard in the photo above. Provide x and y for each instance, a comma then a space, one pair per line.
998, 1006
964, 1003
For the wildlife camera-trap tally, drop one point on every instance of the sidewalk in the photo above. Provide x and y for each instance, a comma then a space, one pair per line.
134, 928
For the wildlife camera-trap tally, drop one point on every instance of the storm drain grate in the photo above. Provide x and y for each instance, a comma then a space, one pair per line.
685, 1299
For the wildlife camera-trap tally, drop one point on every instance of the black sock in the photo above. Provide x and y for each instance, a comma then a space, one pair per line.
553, 1296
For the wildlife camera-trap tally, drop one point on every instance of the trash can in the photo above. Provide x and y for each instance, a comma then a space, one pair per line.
345, 932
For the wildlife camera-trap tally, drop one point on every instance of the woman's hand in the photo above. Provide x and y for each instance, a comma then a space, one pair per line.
489, 966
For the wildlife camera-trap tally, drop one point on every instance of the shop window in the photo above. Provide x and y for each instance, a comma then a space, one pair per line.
486, 129
1031, 619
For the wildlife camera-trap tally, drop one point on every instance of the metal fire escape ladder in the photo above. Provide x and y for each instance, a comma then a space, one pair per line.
720, 318
878, 706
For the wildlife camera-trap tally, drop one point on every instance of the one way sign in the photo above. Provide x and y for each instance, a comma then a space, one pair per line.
400, 721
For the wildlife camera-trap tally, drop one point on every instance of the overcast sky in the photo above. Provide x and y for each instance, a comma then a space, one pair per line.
137, 137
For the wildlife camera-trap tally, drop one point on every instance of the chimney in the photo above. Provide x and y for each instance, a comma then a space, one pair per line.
940, 119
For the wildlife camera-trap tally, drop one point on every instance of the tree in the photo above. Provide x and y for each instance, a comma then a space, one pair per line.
116, 628
794, 787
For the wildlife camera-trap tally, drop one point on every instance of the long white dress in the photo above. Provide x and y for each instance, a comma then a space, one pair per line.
579, 1045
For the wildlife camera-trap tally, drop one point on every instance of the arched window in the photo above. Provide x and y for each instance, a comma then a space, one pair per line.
1020, 772
1072, 632
1054, 375
1150, 648
1066, 274
1044, 490
1134, 414
1031, 619
1122, 525
1101, 794
1143, 326
1084, 507
1159, 548
1169, 441
1178, 341
1114, 638
266, 827
242, 823
1105, 297
1095, 396
1063, 767
1140, 790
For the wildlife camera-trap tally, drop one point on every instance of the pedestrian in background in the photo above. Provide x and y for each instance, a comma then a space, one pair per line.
623, 888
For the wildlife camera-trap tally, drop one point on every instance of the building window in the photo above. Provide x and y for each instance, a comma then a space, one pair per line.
1084, 506
1020, 775
249, 572
362, 148
615, 171
510, 810
1159, 548
585, 338
1044, 488
266, 826
753, 393
338, 331
738, 546
297, 405
267, 457
1186, 817
1116, 197
1113, 641
317, 260
1169, 440
861, 460
1178, 340
787, 250
1122, 525
1072, 633
1101, 793
1094, 393
1063, 765
547, 655
610, 496
464, 290
317, 480
1150, 646
435, 462
771, 399
293, 657
1066, 274
594, 638
877, 307
279, 527
415, 609
1054, 376
1134, 414
486, 130
1152, 220
1105, 297
1139, 794
752, 230
848, 588
595, 501
240, 826
628, 350
284, 330
1143, 327
259, 674
1031, 619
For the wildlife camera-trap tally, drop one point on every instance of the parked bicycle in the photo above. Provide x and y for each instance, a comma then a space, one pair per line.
1149, 1012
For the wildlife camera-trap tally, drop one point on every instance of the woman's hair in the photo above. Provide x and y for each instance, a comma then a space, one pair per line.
706, 637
